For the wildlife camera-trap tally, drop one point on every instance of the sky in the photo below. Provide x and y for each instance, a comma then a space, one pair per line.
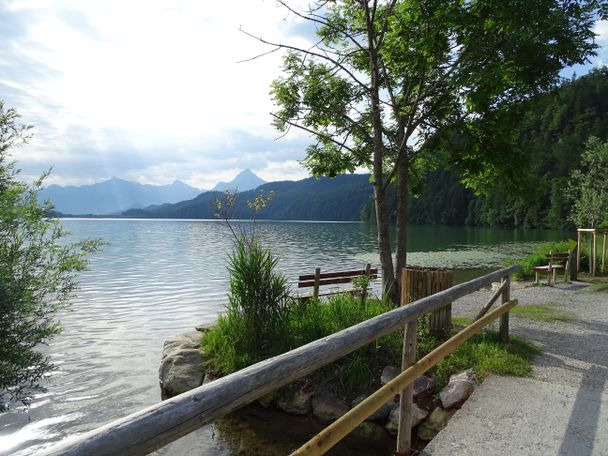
153, 91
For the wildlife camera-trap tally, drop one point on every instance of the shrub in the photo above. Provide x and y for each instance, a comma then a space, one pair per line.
255, 324
38, 272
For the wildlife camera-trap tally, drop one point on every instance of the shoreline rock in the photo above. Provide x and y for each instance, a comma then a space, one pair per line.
181, 364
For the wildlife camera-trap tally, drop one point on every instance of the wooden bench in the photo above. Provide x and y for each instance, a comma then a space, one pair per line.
557, 262
330, 278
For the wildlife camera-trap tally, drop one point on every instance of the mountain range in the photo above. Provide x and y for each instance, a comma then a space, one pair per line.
114, 196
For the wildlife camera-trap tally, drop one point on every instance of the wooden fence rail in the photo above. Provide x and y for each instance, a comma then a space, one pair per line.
158, 425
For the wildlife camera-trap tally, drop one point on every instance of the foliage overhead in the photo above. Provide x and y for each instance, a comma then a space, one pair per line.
441, 64
392, 85
38, 273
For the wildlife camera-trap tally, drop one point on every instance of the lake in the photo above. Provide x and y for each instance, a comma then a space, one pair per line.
157, 278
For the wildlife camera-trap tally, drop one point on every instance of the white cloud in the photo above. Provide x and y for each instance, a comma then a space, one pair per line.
152, 91
143, 77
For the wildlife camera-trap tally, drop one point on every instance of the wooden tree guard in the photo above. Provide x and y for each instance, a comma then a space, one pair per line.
592, 248
419, 282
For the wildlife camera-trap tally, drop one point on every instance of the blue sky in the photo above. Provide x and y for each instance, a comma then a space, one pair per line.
151, 91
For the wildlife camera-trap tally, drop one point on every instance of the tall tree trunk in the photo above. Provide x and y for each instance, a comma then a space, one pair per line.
384, 242
402, 194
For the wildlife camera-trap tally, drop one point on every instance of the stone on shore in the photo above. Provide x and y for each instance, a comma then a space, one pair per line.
436, 421
295, 403
189, 340
181, 366
181, 370
458, 389
326, 407
370, 430
381, 413
392, 425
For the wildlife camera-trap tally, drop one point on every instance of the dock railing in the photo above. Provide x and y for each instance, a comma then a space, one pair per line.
158, 425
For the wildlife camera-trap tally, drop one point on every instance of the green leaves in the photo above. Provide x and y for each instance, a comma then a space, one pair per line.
38, 273
588, 186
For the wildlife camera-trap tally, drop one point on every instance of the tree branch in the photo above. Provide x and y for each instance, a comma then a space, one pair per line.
313, 132
310, 53
320, 20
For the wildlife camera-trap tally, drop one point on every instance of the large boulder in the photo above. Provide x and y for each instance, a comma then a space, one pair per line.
436, 421
389, 373
181, 366
326, 407
424, 387
295, 402
189, 340
181, 371
370, 431
458, 389
392, 424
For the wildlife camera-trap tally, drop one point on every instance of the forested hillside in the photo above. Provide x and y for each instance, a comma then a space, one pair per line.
552, 134
340, 198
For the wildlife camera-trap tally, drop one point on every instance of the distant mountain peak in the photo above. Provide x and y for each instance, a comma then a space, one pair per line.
243, 181
114, 195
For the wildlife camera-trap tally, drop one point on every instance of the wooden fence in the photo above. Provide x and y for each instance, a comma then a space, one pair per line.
158, 425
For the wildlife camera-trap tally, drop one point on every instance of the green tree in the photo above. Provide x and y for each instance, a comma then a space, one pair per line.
38, 272
588, 186
392, 85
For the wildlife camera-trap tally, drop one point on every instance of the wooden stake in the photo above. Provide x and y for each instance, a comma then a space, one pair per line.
503, 329
315, 292
594, 252
493, 299
578, 250
406, 398
604, 255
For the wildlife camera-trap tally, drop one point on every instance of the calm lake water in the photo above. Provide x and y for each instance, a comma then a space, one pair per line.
157, 278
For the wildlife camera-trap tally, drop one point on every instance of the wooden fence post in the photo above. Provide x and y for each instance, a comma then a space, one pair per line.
406, 398
594, 254
315, 292
604, 255
578, 250
591, 256
573, 265
503, 329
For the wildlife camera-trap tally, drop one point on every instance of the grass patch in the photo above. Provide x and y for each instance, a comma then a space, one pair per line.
599, 286
461, 322
542, 313
486, 354
305, 322
598, 283
359, 372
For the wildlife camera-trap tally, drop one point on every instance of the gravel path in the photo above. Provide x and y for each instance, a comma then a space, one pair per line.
572, 351
563, 409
